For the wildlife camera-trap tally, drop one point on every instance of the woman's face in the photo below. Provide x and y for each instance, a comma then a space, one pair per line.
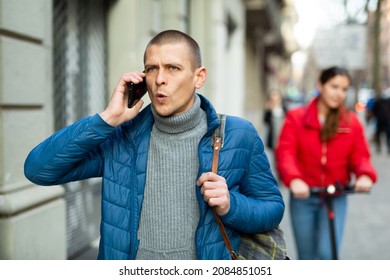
334, 91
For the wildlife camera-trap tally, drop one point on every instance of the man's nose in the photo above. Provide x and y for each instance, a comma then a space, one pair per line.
160, 77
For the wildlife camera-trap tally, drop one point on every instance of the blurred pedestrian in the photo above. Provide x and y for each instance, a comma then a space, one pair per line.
158, 191
320, 144
370, 120
381, 113
273, 117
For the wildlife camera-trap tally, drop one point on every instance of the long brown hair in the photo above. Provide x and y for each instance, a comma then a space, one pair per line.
332, 120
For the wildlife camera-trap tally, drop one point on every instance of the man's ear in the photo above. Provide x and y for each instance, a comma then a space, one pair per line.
200, 77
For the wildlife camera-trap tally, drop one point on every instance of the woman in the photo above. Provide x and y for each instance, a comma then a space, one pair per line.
322, 144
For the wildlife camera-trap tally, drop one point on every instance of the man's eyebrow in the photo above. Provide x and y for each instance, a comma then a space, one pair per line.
168, 64
173, 64
149, 65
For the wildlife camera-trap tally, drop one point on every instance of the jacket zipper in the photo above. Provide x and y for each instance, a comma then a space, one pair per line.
323, 162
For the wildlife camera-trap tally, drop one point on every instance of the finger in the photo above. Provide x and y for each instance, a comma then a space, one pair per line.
301, 195
363, 188
138, 105
217, 195
209, 177
211, 200
135, 77
202, 179
214, 188
214, 201
221, 204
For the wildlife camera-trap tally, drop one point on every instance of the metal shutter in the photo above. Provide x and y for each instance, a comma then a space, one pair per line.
79, 67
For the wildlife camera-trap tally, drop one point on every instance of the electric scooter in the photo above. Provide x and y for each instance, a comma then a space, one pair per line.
329, 193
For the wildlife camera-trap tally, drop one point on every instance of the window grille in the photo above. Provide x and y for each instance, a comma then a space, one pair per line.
79, 65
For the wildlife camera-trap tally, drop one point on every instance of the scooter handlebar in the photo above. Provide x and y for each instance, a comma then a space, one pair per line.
332, 189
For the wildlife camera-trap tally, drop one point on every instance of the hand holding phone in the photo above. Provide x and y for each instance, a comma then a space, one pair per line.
135, 92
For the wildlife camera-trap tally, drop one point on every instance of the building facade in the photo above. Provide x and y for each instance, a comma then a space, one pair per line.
60, 61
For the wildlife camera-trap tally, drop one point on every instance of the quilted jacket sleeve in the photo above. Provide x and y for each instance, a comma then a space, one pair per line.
70, 154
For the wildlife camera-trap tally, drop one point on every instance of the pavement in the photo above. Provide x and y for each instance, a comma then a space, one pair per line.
367, 231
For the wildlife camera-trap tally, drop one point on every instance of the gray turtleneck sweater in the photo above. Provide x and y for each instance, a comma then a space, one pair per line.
170, 210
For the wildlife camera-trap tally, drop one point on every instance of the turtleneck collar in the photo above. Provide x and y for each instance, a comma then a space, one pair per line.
179, 123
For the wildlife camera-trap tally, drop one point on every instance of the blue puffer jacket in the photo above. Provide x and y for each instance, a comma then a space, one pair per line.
92, 148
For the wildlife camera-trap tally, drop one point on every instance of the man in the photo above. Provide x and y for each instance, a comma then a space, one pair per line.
157, 189
381, 113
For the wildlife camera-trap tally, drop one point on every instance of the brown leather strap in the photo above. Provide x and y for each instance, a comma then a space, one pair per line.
217, 148
214, 169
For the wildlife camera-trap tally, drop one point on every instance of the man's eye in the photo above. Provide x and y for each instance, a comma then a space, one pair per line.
150, 69
173, 68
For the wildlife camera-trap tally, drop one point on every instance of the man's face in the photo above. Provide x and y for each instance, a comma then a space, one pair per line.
172, 78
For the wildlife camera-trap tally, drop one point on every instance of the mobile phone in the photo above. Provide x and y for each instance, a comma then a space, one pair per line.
135, 92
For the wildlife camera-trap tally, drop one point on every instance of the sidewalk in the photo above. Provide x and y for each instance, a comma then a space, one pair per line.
89, 253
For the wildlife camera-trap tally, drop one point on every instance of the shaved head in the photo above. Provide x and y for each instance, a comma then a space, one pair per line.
173, 37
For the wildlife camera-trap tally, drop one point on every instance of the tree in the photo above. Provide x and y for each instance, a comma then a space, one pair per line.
377, 51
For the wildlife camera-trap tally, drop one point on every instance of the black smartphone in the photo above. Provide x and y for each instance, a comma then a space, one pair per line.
135, 92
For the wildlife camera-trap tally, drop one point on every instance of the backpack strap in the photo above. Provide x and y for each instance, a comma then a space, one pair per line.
220, 131
217, 143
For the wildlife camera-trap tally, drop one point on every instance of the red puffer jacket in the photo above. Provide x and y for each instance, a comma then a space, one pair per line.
300, 153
